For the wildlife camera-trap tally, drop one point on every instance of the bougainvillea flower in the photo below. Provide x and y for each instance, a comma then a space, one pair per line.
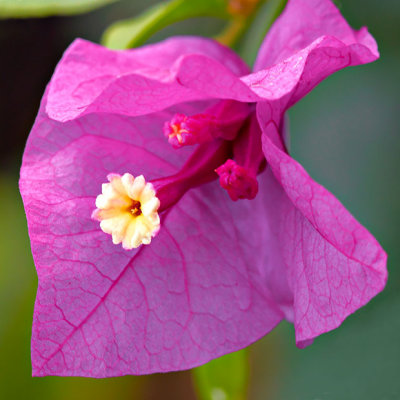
222, 237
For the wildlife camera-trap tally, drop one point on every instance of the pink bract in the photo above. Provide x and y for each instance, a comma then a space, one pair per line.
220, 274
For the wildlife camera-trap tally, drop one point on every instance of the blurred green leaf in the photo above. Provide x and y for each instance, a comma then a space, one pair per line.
44, 8
135, 31
251, 41
225, 378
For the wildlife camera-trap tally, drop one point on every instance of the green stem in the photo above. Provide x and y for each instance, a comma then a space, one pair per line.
236, 28
135, 31
251, 42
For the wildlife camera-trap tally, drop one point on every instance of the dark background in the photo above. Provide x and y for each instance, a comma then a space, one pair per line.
346, 134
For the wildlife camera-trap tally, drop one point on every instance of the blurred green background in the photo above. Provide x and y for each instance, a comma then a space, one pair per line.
346, 134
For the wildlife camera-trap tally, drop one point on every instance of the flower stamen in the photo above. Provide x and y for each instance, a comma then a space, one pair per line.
238, 181
222, 120
135, 208
239, 176
177, 133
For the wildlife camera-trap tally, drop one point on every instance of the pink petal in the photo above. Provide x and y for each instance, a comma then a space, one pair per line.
333, 264
91, 78
310, 41
192, 295
301, 23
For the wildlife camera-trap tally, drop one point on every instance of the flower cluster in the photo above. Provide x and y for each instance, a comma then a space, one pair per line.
223, 233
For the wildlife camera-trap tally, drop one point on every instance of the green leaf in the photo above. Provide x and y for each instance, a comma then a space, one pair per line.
252, 40
135, 31
44, 8
225, 378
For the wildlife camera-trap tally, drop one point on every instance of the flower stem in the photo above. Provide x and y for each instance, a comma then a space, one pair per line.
250, 43
236, 28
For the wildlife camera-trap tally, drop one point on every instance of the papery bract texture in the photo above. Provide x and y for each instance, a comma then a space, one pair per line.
219, 274
103, 311
92, 79
308, 42
302, 23
333, 264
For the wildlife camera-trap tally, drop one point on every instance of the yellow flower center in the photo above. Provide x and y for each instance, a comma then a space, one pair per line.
127, 210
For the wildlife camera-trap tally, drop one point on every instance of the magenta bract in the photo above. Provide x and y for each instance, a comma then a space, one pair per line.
220, 273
